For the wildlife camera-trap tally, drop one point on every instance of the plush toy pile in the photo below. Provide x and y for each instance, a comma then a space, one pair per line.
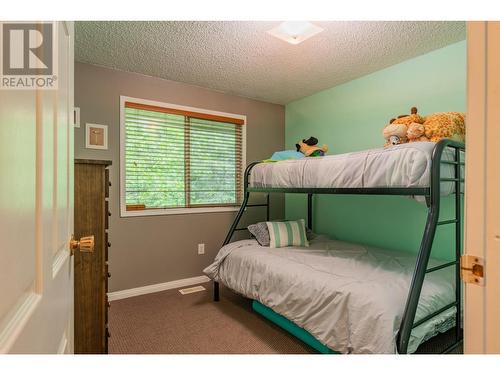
305, 148
433, 128
309, 147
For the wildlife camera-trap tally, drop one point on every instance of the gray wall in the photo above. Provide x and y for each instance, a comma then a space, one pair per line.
156, 249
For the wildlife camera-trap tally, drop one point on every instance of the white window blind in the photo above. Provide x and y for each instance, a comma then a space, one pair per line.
181, 159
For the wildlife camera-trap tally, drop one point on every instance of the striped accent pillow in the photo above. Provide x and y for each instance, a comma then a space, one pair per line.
287, 233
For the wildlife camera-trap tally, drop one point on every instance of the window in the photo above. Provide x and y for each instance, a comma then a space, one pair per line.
179, 159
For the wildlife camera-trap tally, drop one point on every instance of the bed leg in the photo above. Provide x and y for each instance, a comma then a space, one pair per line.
310, 211
216, 291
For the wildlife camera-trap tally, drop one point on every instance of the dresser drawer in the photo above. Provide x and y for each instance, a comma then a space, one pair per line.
107, 214
107, 245
107, 183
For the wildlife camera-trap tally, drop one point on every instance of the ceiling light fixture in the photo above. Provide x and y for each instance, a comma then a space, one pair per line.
295, 32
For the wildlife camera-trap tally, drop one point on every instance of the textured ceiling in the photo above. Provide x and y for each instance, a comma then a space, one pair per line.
241, 58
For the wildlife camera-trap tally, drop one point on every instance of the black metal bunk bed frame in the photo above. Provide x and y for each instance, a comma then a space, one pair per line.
433, 199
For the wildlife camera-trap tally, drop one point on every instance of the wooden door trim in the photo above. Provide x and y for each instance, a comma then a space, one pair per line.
483, 179
476, 175
492, 185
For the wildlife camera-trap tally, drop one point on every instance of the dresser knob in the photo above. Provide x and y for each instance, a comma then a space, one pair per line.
109, 183
109, 274
109, 213
109, 244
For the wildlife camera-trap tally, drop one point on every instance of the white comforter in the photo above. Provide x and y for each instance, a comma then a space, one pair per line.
350, 297
407, 165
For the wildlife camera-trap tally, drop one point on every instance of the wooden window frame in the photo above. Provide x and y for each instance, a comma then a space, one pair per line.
174, 109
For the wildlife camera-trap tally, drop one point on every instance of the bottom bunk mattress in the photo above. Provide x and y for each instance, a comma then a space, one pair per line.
350, 297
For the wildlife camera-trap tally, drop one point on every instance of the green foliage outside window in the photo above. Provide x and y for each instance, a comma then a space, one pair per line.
176, 161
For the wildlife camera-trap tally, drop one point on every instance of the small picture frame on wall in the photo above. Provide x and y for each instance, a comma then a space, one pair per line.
96, 136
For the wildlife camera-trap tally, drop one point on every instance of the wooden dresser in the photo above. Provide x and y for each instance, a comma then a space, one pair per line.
91, 268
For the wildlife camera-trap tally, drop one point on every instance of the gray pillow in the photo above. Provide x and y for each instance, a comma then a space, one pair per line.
261, 233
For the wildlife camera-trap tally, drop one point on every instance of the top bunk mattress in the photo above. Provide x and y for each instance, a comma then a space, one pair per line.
402, 166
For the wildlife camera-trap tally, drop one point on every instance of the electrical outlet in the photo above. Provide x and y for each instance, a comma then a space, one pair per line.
201, 248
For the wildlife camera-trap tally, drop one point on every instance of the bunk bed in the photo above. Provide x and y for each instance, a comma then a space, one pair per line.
426, 171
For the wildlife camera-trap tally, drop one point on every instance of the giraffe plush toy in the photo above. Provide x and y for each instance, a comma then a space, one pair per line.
433, 128
450, 125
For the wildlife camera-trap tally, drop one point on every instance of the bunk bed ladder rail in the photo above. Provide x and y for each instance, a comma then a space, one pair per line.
241, 211
433, 201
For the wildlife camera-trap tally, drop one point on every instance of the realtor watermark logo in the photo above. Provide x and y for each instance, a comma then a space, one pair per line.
28, 56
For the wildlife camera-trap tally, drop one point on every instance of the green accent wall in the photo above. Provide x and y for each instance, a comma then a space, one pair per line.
350, 117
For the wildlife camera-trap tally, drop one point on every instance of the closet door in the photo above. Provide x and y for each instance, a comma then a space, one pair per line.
36, 194
482, 207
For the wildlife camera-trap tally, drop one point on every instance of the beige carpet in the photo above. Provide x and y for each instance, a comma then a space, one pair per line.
169, 322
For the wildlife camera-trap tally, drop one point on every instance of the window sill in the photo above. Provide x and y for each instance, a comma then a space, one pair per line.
177, 211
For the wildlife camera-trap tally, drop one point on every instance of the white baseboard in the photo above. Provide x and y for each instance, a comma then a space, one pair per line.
121, 294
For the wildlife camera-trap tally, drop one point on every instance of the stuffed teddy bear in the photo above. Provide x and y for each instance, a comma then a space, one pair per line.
309, 147
396, 132
416, 133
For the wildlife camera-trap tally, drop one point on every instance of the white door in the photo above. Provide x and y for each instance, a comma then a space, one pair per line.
36, 205
482, 230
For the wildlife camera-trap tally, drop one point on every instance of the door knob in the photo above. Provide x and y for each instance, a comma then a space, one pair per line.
86, 244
